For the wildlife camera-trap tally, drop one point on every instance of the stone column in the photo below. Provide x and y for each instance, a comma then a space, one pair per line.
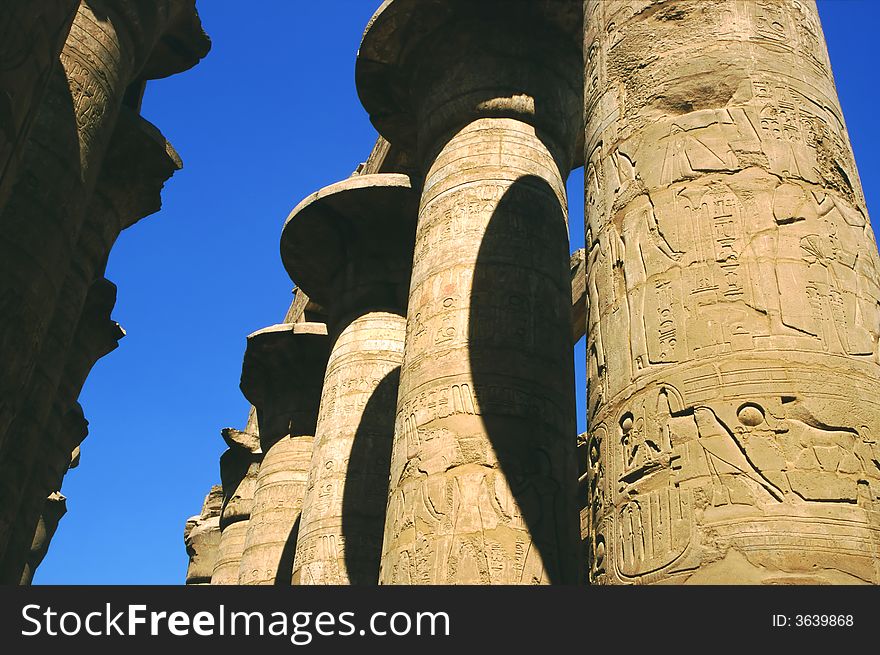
31, 37
239, 467
202, 539
54, 508
483, 475
734, 385
282, 373
349, 246
109, 44
138, 162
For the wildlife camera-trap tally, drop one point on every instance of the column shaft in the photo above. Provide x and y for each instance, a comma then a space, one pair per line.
485, 430
41, 221
239, 467
734, 301
340, 534
268, 552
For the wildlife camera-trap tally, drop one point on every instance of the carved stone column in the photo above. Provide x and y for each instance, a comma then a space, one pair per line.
483, 475
31, 37
239, 467
734, 385
109, 44
282, 373
202, 539
349, 246
138, 162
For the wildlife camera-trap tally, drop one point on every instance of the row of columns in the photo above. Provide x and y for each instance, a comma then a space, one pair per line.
444, 445
730, 298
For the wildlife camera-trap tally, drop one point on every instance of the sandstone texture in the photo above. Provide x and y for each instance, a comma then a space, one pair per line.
366, 226
483, 475
734, 306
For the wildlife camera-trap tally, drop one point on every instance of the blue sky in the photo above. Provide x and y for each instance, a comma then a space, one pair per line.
269, 117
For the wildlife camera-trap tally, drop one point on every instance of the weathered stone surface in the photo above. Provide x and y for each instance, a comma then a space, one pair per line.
239, 467
31, 37
483, 478
366, 227
202, 539
138, 162
734, 301
54, 508
270, 542
578, 295
282, 373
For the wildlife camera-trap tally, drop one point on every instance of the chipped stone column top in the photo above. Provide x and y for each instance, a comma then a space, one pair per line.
414, 51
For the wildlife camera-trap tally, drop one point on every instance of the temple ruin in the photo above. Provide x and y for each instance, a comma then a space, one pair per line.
413, 415
729, 294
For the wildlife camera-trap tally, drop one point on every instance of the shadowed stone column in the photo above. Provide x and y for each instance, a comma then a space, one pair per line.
54, 508
31, 36
349, 246
239, 467
734, 385
109, 44
282, 373
138, 162
483, 475
202, 539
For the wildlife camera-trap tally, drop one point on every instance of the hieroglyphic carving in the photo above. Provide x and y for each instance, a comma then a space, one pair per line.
483, 483
343, 511
732, 261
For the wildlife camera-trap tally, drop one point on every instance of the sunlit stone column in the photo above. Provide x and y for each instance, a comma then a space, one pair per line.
483, 472
734, 385
349, 247
282, 375
202, 539
239, 467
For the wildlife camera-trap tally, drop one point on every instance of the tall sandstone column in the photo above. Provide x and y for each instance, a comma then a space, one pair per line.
282, 374
483, 472
106, 51
202, 539
734, 380
349, 246
239, 467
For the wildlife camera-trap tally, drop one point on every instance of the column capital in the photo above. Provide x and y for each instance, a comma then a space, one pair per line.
281, 375
368, 219
427, 68
182, 45
139, 161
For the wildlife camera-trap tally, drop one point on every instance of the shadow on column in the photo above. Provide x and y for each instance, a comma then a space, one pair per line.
284, 573
523, 370
366, 483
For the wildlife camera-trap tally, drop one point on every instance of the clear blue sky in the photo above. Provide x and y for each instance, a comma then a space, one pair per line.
268, 118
